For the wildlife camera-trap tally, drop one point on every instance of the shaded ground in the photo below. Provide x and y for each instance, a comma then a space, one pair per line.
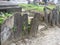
50, 36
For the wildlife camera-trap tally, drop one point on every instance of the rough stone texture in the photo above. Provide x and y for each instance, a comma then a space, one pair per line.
34, 24
25, 24
18, 24
52, 18
21, 23
6, 29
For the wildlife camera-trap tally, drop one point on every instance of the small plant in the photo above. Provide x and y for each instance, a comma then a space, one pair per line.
4, 16
35, 7
14, 28
7, 14
29, 27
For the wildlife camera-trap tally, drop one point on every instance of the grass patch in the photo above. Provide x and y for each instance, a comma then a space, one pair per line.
35, 7
4, 16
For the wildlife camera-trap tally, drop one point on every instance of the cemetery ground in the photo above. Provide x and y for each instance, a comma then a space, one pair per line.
45, 36
39, 32
49, 36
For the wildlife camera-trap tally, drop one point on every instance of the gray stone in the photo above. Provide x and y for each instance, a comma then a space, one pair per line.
18, 24
6, 29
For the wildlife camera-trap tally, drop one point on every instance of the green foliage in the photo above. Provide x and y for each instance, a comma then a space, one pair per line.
7, 15
4, 16
24, 27
14, 28
29, 27
35, 7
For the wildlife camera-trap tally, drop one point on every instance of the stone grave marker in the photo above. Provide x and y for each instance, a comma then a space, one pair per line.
6, 29
34, 24
18, 24
59, 17
7, 6
50, 18
46, 15
25, 24
54, 17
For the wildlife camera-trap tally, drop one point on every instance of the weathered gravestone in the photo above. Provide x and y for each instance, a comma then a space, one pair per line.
51, 18
25, 23
59, 17
7, 7
34, 24
21, 24
47, 15
55, 17
6, 29
18, 21
58, 9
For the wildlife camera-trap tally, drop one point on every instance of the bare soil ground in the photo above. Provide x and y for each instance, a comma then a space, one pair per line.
49, 36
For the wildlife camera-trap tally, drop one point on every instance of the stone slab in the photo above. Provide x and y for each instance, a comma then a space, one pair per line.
7, 3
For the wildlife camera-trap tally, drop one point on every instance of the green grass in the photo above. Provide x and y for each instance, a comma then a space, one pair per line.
35, 7
51, 6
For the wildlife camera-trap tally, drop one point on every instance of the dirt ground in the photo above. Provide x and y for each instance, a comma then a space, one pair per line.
50, 36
